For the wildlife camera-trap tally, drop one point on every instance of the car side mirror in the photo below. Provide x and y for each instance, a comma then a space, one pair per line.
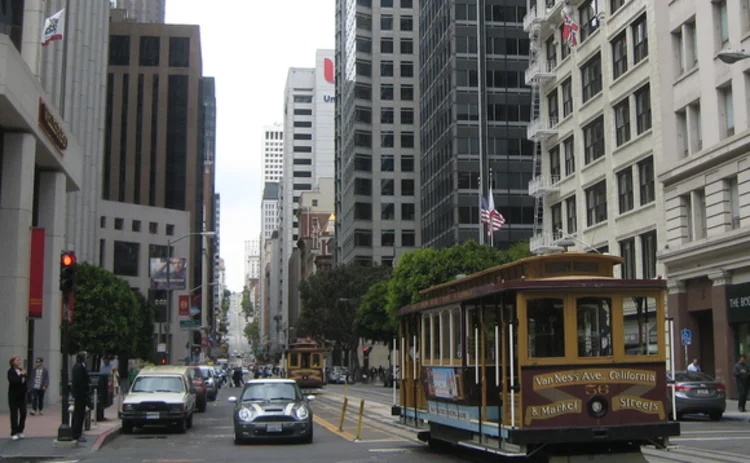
310, 398
232, 400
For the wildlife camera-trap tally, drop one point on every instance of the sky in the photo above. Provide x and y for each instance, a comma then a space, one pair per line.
248, 46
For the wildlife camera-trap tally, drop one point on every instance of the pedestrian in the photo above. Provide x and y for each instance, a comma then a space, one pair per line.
17, 389
694, 366
81, 384
740, 374
39, 385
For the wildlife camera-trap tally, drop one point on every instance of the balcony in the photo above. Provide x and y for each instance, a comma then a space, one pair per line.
531, 21
540, 70
543, 185
554, 7
541, 129
545, 243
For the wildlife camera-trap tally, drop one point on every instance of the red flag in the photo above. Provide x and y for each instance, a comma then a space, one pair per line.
569, 30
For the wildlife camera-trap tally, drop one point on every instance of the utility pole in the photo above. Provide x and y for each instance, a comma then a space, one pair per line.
67, 287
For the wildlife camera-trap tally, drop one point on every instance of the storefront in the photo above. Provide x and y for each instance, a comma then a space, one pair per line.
738, 315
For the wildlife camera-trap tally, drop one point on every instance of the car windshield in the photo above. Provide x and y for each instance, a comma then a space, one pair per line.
157, 384
270, 391
690, 376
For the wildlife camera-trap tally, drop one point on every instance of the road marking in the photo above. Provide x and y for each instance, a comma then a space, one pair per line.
389, 450
164, 460
367, 441
332, 427
682, 439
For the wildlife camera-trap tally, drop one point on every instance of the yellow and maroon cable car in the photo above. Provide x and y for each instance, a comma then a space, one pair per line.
548, 355
305, 363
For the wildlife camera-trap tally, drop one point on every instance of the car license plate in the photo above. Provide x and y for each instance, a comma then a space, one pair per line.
273, 428
152, 416
702, 391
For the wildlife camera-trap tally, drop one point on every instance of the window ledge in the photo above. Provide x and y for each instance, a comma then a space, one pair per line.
591, 100
686, 74
630, 71
636, 210
592, 163
617, 12
632, 141
595, 227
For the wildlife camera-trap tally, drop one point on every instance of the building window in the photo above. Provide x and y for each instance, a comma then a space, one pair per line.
619, 55
557, 220
567, 97
119, 50
596, 203
643, 108
622, 122
551, 52
408, 238
407, 163
136, 226
591, 77
407, 211
570, 158
363, 186
388, 238
615, 5
646, 181
148, 54
407, 187
179, 52
627, 252
153, 228
625, 189
363, 211
721, 23
363, 238
102, 222
726, 106
588, 15
126, 259
387, 211
571, 215
593, 139
552, 108
554, 164
648, 254
640, 39
170, 230
362, 163
119, 223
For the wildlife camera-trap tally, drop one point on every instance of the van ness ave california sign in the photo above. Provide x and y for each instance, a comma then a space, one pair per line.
51, 127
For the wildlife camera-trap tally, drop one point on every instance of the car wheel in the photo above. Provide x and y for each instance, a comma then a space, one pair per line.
237, 439
127, 427
189, 423
181, 426
308, 439
715, 416
202, 404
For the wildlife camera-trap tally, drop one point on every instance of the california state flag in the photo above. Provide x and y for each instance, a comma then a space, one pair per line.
54, 27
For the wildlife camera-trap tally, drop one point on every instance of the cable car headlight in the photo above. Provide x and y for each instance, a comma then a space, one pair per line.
301, 412
246, 414
598, 406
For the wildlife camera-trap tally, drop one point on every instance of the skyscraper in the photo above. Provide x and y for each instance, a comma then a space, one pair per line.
144, 11
273, 153
462, 139
377, 125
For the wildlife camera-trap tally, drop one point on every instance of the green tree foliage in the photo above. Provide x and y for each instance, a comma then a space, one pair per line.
109, 316
252, 333
373, 322
329, 302
246, 304
145, 348
423, 268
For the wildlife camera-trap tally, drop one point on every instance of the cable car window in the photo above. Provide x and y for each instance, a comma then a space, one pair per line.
445, 349
435, 347
546, 326
293, 360
639, 321
316, 360
457, 344
594, 315
305, 360
426, 340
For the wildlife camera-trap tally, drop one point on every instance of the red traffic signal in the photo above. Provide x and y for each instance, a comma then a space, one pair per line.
68, 259
68, 272
163, 361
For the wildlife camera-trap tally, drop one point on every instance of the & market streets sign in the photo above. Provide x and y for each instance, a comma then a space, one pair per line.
51, 127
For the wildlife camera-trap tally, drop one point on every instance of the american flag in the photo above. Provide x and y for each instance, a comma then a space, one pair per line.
490, 216
570, 30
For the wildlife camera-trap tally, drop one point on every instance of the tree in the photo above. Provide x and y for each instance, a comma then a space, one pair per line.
246, 304
145, 348
329, 302
373, 321
108, 316
424, 268
252, 333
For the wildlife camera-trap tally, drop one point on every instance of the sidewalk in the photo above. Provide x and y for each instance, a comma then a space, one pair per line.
41, 432
732, 414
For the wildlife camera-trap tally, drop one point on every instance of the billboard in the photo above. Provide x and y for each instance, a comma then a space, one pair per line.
177, 273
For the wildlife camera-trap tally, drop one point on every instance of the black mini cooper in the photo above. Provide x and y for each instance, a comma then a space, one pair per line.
272, 409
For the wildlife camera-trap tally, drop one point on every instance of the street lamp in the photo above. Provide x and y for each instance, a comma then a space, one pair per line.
733, 56
171, 242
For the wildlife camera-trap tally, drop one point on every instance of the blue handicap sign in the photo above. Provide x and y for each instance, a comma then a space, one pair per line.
687, 337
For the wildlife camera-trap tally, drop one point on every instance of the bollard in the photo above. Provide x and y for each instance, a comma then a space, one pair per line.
343, 414
94, 419
359, 420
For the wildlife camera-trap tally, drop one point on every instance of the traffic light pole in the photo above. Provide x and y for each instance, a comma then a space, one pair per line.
65, 432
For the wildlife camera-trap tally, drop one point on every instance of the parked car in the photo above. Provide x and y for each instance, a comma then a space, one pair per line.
212, 384
696, 393
159, 396
201, 389
272, 409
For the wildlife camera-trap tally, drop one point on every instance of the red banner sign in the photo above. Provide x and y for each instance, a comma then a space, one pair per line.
36, 273
185, 305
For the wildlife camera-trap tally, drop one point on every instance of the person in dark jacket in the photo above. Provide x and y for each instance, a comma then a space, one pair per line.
39, 383
17, 389
743, 381
81, 384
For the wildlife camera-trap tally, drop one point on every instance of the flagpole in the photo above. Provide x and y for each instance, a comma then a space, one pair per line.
492, 226
64, 71
481, 228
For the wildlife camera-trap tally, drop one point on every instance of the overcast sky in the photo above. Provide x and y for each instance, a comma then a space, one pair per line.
249, 45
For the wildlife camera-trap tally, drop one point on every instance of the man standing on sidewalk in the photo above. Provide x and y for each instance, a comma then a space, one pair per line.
741, 375
39, 386
81, 384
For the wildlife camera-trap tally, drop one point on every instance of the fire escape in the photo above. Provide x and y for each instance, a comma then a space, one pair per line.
542, 14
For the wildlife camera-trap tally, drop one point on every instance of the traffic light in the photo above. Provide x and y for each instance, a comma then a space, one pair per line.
68, 266
197, 338
162, 358
196, 350
366, 351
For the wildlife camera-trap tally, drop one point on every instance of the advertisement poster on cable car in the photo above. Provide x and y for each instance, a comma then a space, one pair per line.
596, 395
443, 383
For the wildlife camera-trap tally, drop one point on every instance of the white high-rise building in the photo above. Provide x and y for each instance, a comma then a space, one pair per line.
308, 149
144, 11
269, 210
273, 152
252, 259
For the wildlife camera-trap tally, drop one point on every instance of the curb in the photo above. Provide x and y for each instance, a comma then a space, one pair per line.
105, 438
735, 418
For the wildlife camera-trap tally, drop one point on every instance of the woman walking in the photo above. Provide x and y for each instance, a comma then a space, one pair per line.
17, 389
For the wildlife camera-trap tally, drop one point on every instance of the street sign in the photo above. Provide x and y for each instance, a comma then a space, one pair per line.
187, 325
687, 337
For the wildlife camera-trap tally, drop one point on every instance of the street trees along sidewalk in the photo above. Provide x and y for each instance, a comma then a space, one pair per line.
109, 317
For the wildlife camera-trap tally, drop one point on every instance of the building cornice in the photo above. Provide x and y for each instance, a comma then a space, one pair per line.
720, 278
675, 286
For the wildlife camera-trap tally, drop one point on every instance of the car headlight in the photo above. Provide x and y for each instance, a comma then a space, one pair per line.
177, 407
246, 414
301, 412
128, 407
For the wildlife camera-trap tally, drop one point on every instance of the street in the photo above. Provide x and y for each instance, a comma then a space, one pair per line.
380, 439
